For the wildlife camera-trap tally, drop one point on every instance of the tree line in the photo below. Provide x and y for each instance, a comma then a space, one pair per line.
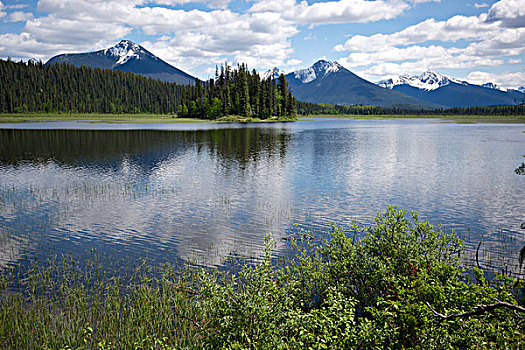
62, 88
304, 108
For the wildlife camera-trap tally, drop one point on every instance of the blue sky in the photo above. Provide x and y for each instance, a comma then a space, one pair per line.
479, 41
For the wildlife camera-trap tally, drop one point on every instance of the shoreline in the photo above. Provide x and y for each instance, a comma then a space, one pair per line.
171, 119
125, 118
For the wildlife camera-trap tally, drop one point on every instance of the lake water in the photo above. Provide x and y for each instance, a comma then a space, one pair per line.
203, 192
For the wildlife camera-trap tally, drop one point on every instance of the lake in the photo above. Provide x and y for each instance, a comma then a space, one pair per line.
201, 193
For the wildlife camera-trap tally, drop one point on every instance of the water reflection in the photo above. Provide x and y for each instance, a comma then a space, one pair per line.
203, 194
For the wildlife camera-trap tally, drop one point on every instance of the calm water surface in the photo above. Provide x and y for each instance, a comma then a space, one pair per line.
202, 192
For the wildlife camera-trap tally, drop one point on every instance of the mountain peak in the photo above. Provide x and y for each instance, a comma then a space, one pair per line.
325, 67
125, 50
429, 80
319, 69
272, 73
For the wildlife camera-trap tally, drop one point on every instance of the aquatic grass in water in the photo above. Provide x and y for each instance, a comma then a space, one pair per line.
68, 306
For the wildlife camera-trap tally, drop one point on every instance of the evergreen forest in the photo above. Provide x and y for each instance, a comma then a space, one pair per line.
305, 108
35, 87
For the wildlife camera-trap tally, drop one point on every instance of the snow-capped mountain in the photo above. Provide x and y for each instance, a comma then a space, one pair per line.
272, 73
329, 82
318, 70
450, 92
521, 89
130, 57
428, 81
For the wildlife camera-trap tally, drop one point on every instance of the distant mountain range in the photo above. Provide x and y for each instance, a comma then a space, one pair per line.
449, 92
323, 82
129, 57
329, 82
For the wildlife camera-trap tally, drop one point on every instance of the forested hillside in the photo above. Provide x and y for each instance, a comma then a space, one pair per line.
61, 88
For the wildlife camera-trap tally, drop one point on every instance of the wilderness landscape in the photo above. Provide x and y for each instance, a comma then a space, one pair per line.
226, 174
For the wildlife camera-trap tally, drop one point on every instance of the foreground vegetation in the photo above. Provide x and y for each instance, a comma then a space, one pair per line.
396, 284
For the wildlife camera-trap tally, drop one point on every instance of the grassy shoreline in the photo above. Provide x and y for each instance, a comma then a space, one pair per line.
125, 118
172, 119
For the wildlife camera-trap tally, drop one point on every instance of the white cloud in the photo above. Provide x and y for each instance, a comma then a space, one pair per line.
332, 12
17, 6
454, 29
511, 13
514, 60
22, 46
19, 16
294, 62
53, 30
483, 5
507, 79
2, 14
210, 3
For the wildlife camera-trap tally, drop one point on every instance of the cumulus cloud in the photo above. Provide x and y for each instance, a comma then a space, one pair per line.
210, 3
332, 12
432, 56
22, 46
483, 5
513, 79
53, 30
19, 16
511, 13
451, 30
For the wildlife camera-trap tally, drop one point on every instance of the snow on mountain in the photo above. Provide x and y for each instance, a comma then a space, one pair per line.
319, 69
428, 81
521, 89
494, 86
124, 51
272, 73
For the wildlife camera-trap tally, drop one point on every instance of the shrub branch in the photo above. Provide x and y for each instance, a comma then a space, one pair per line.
478, 310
